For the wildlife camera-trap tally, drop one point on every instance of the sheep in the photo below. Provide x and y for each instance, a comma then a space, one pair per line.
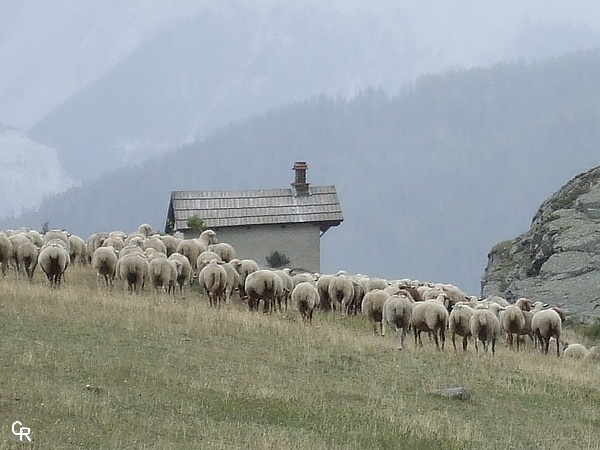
233, 281
459, 324
131, 248
372, 307
528, 314
375, 283
205, 257
357, 296
94, 241
224, 250
78, 250
288, 287
485, 328
145, 230
163, 273
171, 243
306, 297
191, 249
397, 313
208, 237
430, 316
16, 240
104, 260
117, 234
263, 284
57, 234
185, 275
6, 252
546, 324
27, 258
244, 267
155, 243
513, 322
54, 260
341, 293
133, 270
114, 242
213, 279
36, 238
575, 351
304, 277
323, 290
593, 354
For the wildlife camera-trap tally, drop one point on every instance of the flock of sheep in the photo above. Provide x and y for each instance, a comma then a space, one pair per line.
170, 264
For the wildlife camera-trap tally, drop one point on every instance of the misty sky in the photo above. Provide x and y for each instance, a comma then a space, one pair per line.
51, 50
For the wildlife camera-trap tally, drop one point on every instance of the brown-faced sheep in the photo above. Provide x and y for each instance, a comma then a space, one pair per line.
397, 314
547, 324
306, 297
430, 316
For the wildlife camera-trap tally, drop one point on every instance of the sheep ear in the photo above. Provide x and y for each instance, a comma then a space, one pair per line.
546, 305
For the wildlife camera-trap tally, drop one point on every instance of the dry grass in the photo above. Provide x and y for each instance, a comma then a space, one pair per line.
90, 369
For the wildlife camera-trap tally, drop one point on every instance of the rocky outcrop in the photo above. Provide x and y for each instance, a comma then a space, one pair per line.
558, 260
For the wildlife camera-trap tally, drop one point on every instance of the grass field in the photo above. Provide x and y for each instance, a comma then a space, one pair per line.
84, 368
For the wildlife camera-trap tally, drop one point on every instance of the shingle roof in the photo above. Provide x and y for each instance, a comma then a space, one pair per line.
256, 207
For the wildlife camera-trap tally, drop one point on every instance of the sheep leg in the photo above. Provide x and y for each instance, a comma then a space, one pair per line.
464, 345
437, 342
454, 340
557, 347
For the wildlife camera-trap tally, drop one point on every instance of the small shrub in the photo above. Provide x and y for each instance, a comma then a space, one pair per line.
592, 331
277, 260
195, 223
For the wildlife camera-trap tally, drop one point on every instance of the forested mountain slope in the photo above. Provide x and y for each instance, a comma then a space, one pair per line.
429, 179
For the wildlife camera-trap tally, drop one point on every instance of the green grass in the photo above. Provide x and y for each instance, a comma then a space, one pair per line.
90, 369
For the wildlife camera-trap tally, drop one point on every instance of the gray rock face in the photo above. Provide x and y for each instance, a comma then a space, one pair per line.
558, 260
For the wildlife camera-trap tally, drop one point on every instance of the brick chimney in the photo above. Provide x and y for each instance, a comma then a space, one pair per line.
300, 185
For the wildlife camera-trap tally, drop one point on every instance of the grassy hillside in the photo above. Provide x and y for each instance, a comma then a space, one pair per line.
85, 368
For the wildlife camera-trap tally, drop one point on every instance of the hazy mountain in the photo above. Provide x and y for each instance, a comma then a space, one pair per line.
214, 65
29, 172
429, 179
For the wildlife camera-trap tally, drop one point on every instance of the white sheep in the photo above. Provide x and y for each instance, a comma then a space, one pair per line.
233, 280
397, 314
77, 250
225, 251
372, 307
133, 270
430, 316
6, 252
204, 258
375, 283
263, 285
593, 354
155, 243
54, 260
575, 351
323, 290
513, 323
306, 297
191, 249
213, 280
244, 267
341, 293
485, 328
171, 243
208, 238
163, 273
547, 324
185, 276
27, 258
104, 261
459, 324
